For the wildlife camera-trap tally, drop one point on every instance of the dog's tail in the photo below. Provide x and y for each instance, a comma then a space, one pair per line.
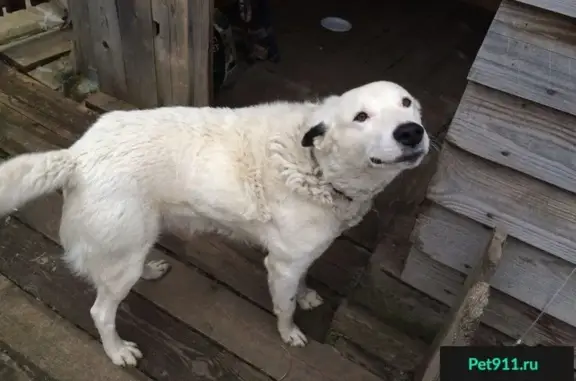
31, 175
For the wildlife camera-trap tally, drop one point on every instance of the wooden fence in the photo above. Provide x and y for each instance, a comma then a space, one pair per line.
146, 52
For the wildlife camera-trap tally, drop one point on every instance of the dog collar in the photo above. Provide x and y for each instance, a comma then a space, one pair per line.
320, 174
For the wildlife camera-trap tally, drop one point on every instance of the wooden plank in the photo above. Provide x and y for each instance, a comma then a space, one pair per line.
564, 7
467, 310
15, 367
79, 15
201, 53
161, 14
33, 330
138, 32
42, 104
527, 71
519, 134
108, 48
101, 102
172, 51
526, 273
21, 134
356, 353
536, 27
398, 350
181, 66
503, 313
531, 211
39, 50
169, 346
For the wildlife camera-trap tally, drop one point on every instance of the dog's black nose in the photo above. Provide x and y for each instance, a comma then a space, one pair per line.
409, 134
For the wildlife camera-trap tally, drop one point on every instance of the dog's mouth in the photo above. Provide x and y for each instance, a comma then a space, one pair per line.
408, 158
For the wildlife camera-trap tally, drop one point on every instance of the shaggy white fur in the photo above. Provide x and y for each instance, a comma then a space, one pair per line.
290, 177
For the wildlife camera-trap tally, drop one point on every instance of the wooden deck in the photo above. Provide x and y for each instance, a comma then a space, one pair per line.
210, 317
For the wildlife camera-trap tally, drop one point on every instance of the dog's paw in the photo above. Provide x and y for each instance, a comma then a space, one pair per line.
309, 299
155, 269
294, 337
127, 353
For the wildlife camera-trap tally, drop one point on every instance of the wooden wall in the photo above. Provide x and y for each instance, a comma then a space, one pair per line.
510, 158
146, 52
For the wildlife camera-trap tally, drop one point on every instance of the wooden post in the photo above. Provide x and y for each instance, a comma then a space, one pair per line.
465, 314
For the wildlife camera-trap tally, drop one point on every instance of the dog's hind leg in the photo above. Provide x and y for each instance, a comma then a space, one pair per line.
307, 298
155, 269
111, 290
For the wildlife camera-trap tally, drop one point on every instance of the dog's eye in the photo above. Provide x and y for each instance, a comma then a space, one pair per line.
406, 102
361, 117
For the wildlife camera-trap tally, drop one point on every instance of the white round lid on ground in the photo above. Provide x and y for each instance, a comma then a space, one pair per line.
336, 24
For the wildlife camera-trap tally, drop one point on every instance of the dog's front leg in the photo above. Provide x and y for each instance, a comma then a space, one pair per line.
284, 280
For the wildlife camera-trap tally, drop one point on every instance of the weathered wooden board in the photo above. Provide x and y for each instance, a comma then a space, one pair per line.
527, 71
21, 134
108, 50
533, 139
536, 27
530, 210
41, 104
170, 347
163, 12
39, 50
526, 273
504, 313
102, 102
15, 367
200, 18
79, 14
34, 331
565, 7
395, 348
138, 31
172, 51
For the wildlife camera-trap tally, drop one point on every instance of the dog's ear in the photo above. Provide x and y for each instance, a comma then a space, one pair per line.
314, 132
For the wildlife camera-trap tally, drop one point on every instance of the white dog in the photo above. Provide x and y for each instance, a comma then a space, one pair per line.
290, 177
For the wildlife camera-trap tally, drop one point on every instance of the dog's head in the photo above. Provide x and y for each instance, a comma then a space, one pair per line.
377, 125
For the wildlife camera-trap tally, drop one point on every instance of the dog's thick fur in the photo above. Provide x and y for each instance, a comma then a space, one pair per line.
290, 177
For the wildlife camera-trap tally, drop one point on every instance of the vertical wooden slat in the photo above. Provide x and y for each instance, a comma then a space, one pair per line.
138, 33
107, 46
82, 42
161, 14
201, 63
180, 59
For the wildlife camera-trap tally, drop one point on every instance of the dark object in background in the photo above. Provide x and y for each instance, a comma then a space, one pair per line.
252, 22
224, 57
